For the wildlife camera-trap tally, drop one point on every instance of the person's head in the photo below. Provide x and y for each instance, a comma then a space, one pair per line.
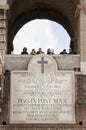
64, 50
49, 50
40, 49
25, 49
33, 50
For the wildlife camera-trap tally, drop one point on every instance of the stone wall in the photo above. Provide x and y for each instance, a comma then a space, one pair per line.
80, 99
80, 107
6, 97
20, 62
83, 35
0, 94
80, 87
2, 48
2, 29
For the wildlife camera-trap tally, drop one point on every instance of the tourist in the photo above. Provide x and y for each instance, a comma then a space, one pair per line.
33, 52
40, 51
49, 51
24, 52
70, 51
63, 52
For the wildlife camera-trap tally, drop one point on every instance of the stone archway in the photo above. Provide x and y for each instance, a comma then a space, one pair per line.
24, 11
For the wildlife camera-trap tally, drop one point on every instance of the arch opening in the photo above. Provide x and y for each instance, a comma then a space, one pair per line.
41, 33
53, 10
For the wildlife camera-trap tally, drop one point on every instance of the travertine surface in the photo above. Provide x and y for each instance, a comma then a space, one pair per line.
3, 2
20, 62
42, 94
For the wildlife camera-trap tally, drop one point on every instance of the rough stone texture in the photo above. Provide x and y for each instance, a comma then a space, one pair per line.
81, 98
0, 69
2, 27
2, 49
4, 117
0, 93
81, 83
3, 34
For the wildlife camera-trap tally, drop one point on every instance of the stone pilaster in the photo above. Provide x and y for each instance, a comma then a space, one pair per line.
3, 29
3, 42
82, 9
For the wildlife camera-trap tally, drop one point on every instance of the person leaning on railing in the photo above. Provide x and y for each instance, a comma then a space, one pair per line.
24, 52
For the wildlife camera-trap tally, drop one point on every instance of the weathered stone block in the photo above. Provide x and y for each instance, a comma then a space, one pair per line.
0, 69
2, 14
2, 31
2, 24
2, 46
81, 88
3, 2
2, 38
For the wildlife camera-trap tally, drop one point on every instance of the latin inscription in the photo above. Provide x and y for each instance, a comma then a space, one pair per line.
45, 98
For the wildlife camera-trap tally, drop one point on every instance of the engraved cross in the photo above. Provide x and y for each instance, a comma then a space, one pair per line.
42, 62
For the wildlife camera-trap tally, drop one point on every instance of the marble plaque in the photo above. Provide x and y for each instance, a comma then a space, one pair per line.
42, 98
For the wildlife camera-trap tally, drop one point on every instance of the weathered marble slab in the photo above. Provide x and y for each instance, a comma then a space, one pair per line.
44, 97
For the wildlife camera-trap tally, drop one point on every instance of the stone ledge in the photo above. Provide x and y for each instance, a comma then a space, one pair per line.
42, 127
66, 62
5, 7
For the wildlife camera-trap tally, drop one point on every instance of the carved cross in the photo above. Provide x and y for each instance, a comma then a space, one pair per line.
42, 62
